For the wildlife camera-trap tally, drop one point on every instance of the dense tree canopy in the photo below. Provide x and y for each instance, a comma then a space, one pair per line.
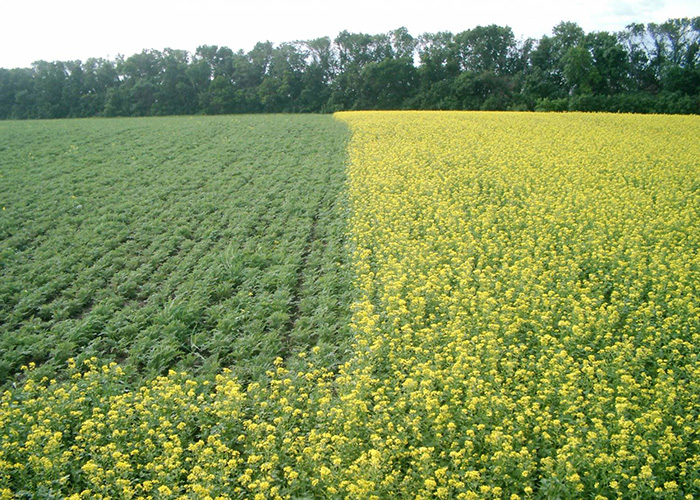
644, 68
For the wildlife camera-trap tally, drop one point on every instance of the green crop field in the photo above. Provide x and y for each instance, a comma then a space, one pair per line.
187, 243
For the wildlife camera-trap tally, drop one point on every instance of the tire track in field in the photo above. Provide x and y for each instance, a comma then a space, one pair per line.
295, 303
295, 312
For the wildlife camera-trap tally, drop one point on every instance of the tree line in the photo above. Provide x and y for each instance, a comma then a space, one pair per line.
643, 68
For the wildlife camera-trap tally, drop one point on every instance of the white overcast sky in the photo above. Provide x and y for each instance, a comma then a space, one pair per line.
63, 30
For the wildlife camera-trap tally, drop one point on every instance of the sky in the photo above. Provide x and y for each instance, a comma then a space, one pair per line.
64, 30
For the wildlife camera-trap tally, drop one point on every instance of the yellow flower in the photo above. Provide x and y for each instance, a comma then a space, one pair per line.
164, 490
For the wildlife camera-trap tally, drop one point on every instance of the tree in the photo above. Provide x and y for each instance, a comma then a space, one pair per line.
282, 85
438, 69
17, 96
610, 63
485, 91
320, 71
486, 49
175, 94
403, 44
99, 77
664, 56
641, 73
579, 73
139, 77
652, 67
388, 84
49, 80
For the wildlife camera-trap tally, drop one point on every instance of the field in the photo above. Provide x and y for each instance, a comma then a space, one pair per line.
524, 293
186, 243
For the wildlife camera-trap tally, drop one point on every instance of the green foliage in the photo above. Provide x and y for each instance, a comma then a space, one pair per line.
642, 102
189, 243
482, 68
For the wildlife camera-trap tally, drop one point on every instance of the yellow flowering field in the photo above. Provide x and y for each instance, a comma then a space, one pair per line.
528, 326
531, 301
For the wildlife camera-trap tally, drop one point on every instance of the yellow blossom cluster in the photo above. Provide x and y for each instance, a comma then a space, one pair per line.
528, 326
